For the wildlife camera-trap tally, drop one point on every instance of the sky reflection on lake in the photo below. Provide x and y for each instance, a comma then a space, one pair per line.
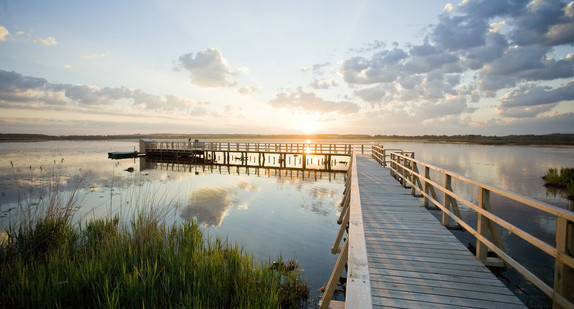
270, 212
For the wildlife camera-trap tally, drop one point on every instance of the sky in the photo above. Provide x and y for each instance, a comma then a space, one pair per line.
489, 67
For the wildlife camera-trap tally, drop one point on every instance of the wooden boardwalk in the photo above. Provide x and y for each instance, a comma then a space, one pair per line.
413, 261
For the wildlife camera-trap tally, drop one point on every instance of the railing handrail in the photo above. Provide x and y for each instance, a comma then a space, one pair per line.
358, 294
311, 148
406, 170
557, 211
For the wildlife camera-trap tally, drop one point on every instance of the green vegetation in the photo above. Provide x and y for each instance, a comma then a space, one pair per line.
563, 179
54, 265
49, 261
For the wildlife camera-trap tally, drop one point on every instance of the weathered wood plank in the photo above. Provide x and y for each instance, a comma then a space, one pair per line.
378, 280
447, 292
437, 300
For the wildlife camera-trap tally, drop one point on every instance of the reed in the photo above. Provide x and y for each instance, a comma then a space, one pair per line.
562, 179
51, 261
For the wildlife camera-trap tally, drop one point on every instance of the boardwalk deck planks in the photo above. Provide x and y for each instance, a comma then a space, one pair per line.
414, 261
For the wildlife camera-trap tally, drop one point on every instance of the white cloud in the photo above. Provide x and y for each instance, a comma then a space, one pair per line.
4, 34
49, 41
207, 68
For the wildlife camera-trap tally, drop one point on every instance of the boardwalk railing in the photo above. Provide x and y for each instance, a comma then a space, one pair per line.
353, 253
333, 149
406, 169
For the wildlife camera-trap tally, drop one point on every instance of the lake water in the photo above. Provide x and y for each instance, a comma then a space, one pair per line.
272, 212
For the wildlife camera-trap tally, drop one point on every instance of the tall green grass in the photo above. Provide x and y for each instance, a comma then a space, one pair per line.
50, 261
561, 179
147, 265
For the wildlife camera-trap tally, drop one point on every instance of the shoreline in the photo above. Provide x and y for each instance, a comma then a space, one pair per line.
522, 140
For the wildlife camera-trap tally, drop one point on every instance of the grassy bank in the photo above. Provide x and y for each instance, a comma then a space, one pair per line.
562, 179
148, 264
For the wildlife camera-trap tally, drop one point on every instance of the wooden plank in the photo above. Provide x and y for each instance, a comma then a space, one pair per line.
380, 302
438, 275
438, 300
461, 286
447, 292
416, 269
376, 249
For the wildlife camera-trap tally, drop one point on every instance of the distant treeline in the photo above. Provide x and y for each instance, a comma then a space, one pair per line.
548, 139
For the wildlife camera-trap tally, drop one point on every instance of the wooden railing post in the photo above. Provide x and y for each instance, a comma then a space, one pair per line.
426, 187
384, 157
486, 227
335, 275
482, 224
563, 274
446, 200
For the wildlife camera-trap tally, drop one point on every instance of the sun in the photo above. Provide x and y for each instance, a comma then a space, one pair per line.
308, 127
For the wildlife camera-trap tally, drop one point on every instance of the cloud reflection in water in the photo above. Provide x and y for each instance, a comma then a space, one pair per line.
209, 205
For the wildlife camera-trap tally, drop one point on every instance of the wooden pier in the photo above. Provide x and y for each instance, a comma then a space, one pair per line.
300, 156
398, 255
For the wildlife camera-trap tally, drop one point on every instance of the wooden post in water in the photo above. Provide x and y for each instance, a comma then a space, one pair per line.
563, 274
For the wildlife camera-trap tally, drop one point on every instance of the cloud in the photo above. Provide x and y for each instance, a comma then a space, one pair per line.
4, 34
309, 102
18, 91
209, 206
544, 22
459, 32
323, 83
207, 69
247, 89
49, 41
319, 68
529, 63
531, 100
476, 49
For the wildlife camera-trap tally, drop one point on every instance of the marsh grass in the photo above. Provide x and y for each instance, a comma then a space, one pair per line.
49, 260
562, 179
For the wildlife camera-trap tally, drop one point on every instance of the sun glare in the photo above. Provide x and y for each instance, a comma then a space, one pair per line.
308, 127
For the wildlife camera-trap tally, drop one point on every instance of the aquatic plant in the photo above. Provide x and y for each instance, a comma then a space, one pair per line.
561, 179
48, 260
104, 264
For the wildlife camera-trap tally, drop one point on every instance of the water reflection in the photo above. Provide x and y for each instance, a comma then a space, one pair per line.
209, 206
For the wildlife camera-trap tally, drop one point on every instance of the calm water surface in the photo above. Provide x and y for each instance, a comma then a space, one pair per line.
273, 213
